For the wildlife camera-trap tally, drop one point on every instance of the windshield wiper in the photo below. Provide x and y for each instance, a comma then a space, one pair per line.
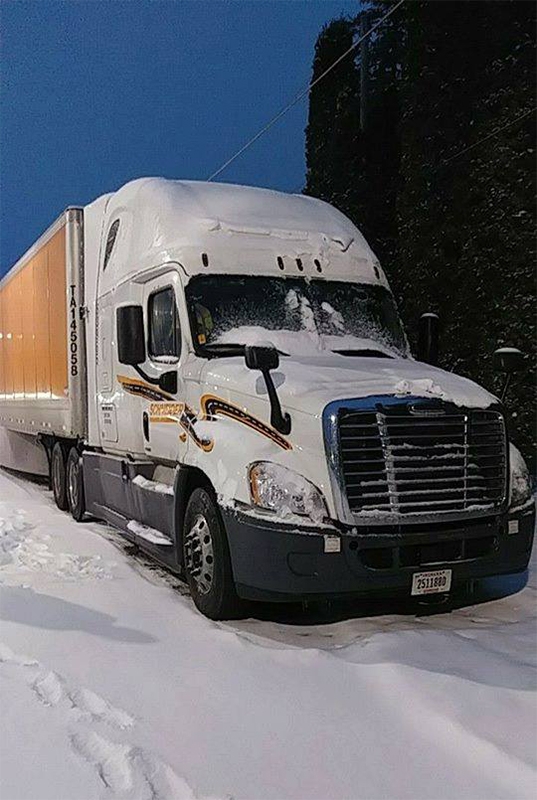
227, 349
223, 349
366, 352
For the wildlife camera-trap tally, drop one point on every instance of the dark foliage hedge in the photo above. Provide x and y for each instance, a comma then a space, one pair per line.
454, 230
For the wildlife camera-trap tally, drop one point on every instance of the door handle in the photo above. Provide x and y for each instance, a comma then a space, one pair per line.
145, 425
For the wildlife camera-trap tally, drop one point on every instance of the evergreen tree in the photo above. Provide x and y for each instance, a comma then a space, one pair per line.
332, 153
466, 220
352, 137
455, 230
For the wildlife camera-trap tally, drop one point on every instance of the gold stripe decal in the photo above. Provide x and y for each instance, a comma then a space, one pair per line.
164, 409
211, 408
141, 389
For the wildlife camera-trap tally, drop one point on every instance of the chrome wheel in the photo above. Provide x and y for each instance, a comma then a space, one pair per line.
75, 485
57, 477
72, 483
199, 556
205, 557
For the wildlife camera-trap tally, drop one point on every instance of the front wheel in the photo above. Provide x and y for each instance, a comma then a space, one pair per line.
206, 559
75, 485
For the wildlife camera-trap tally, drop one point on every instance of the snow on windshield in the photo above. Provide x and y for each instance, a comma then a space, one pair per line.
295, 315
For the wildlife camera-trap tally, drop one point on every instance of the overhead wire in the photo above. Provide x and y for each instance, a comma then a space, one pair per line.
305, 91
486, 138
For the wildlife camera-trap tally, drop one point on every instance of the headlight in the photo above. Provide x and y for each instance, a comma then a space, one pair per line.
520, 484
285, 492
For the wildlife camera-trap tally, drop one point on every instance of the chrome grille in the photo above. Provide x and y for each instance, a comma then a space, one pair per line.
400, 460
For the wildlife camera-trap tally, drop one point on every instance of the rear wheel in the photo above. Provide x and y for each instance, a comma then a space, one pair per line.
206, 559
75, 485
57, 476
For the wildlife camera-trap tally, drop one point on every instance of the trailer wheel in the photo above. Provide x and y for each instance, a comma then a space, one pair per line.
57, 476
206, 559
75, 485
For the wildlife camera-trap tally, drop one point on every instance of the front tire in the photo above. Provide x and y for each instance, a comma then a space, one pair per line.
206, 559
75, 485
57, 476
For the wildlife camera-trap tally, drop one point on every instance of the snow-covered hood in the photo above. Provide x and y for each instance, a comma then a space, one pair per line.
309, 383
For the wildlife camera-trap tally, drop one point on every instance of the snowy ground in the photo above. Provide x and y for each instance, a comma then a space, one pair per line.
113, 686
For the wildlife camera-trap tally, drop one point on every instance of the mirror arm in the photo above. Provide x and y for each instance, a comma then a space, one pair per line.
144, 375
171, 388
278, 420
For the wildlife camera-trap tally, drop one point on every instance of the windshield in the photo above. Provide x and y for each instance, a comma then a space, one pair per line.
295, 315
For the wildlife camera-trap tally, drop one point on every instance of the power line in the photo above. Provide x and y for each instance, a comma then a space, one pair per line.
302, 93
486, 138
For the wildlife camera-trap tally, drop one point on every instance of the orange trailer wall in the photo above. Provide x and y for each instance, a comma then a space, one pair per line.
33, 326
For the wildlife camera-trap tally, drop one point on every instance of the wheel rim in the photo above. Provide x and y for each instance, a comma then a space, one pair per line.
56, 475
199, 555
73, 483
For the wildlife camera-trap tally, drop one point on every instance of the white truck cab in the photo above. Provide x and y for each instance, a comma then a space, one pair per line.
253, 416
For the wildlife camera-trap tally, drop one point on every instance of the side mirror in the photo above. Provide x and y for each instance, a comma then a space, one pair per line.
264, 358
508, 359
261, 357
130, 335
168, 382
428, 338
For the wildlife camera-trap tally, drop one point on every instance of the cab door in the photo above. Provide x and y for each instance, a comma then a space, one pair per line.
162, 402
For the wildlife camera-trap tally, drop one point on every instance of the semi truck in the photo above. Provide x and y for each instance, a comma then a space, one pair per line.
221, 373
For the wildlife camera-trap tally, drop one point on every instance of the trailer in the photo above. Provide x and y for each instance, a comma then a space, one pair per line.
42, 347
221, 373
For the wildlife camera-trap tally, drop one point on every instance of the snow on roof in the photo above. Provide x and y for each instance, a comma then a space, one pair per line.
243, 209
164, 219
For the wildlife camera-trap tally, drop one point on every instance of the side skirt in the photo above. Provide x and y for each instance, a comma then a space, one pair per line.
142, 514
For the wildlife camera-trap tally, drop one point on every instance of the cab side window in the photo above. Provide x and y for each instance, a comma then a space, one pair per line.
164, 330
110, 242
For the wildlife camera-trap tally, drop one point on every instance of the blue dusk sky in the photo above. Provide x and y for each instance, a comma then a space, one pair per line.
97, 93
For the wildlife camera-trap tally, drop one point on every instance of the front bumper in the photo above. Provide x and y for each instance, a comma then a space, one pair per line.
279, 563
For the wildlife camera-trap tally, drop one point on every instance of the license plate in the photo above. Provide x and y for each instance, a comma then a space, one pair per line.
431, 582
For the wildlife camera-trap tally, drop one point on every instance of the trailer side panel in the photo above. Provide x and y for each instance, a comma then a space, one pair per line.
37, 392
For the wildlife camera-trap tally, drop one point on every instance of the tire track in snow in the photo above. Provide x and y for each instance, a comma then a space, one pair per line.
48, 688
95, 706
7, 656
23, 548
110, 759
51, 689
122, 766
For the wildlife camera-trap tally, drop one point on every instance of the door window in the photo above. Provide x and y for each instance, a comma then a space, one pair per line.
164, 331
